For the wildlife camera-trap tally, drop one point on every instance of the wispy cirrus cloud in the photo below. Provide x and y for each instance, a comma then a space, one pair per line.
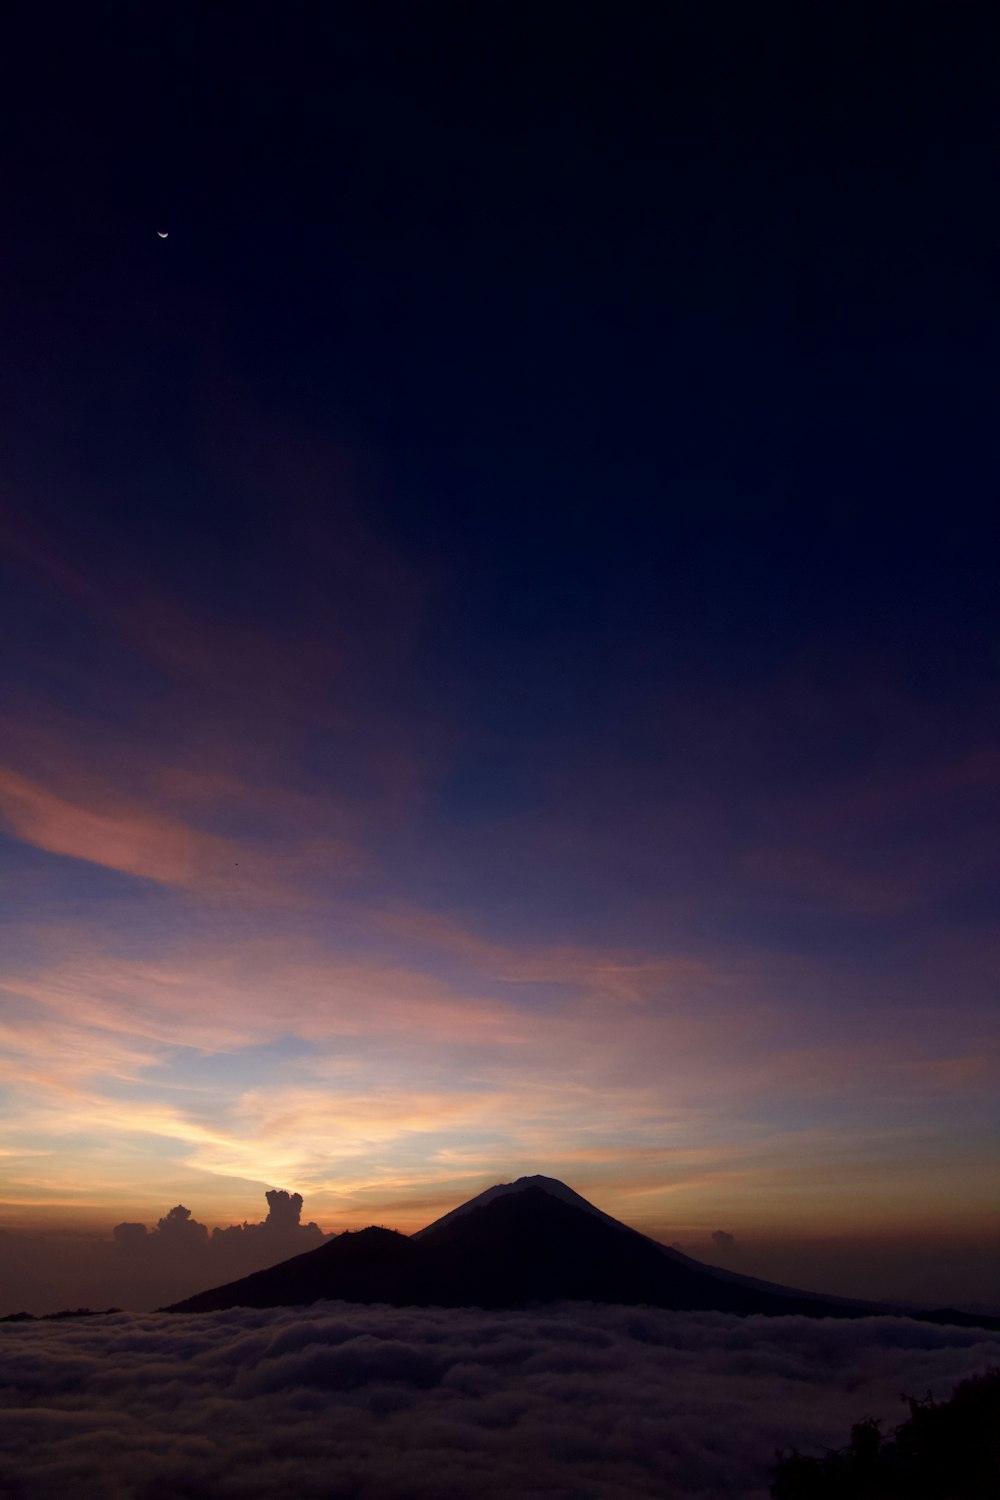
400, 1080
133, 841
135, 838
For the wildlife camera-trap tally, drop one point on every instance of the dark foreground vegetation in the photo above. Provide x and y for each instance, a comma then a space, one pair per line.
66, 1312
947, 1450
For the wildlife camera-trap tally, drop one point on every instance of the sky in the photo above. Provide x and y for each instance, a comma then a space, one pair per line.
500, 638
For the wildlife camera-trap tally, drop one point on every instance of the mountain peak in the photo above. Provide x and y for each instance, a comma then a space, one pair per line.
518, 1243
550, 1185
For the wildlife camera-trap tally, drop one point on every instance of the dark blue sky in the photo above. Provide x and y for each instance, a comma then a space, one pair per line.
700, 296
665, 342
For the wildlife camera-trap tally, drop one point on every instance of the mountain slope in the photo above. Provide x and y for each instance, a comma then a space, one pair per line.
566, 1194
533, 1246
531, 1241
371, 1265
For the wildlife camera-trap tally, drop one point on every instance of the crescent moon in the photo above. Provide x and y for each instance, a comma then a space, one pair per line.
162, 233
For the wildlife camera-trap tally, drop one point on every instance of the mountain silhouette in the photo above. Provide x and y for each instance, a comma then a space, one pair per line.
519, 1243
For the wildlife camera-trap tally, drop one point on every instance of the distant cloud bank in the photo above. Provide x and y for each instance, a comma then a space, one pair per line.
179, 1229
142, 1268
438, 1404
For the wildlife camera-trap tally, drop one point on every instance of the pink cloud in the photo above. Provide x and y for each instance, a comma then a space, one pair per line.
133, 841
139, 841
227, 997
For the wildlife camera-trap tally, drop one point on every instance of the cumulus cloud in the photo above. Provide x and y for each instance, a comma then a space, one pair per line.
142, 1268
284, 1210
438, 1404
178, 1228
724, 1242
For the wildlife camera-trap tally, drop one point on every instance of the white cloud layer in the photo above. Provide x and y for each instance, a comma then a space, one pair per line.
367, 1403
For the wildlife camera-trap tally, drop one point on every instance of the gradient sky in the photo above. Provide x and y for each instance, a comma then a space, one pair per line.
499, 617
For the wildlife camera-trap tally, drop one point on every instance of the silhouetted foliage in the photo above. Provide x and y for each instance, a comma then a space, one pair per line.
947, 1450
55, 1317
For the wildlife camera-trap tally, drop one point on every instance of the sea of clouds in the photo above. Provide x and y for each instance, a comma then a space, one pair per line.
575, 1402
